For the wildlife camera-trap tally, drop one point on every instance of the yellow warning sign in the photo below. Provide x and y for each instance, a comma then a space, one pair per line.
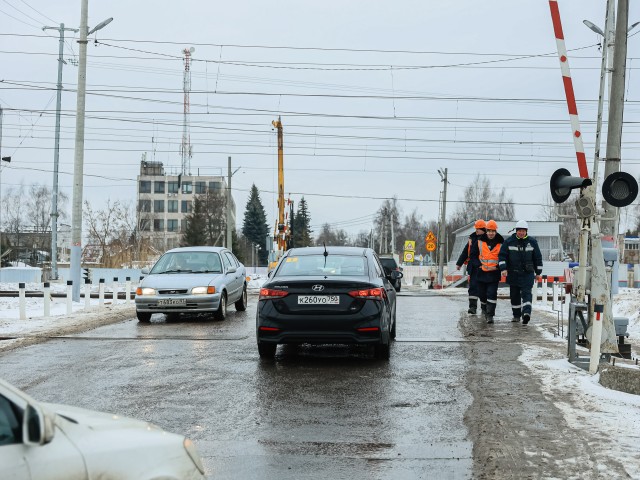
431, 246
430, 237
408, 257
410, 245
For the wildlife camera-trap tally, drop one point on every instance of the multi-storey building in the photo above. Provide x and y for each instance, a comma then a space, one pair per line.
164, 201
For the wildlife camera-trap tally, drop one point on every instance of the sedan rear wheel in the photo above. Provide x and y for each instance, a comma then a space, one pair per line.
382, 351
241, 304
267, 350
221, 313
144, 317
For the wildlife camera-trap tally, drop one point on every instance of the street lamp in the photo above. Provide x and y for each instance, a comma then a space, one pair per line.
229, 242
78, 164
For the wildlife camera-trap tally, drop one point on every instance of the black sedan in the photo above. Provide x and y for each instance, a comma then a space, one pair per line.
327, 295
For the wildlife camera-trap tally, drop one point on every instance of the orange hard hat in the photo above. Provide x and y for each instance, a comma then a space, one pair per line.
492, 225
480, 224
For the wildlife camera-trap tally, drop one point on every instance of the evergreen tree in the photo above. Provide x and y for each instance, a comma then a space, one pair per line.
300, 226
195, 230
254, 225
304, 225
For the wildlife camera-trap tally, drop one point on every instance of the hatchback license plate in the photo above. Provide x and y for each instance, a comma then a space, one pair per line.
318, 300
172, 302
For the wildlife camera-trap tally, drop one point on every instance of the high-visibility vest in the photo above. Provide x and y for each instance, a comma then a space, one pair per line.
488, 258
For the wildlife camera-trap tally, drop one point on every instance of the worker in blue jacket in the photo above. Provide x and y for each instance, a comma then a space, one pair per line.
521, 259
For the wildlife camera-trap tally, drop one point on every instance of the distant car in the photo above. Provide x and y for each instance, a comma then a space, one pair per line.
389, 264
46, 441
332, 295
193, 280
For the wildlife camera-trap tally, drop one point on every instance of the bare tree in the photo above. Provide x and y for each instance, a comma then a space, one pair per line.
566, 214
103, 227
387, 219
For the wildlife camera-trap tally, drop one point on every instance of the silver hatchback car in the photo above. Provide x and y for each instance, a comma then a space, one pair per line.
193, 280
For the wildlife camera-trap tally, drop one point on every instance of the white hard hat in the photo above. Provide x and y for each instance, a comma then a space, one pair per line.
522, 224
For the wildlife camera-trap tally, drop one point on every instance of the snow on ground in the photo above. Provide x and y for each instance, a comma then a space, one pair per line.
615, 414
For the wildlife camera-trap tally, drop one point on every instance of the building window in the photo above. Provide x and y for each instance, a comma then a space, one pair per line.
187, 187
158, 225
158, 205
145, 186
172, 206
201, 187
158, 187
173, 187
145, 205
172, 225
185, 224
145, 225
215, 186
187, 206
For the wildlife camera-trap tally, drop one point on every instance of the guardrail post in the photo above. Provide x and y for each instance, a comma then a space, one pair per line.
87, 294
46, 296
555, 305
22, 301
545, 300
69, 297
101, 292
127, 290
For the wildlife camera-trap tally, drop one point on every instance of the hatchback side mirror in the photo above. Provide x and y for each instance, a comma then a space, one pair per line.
38, 427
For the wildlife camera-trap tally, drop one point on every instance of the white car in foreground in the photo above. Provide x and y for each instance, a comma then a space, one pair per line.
40, 441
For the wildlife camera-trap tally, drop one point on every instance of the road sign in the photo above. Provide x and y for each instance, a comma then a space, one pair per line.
431, 246
408, 257
410, 245
430, 237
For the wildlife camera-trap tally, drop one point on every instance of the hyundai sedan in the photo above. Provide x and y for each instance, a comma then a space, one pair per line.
41, 441
193, 280
327, 295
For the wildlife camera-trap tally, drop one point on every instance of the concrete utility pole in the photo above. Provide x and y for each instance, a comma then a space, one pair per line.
609, 223
443, 228
78, 162
56, 154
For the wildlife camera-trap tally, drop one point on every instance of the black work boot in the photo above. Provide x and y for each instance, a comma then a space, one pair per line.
491, 311
489, 318
525, 318
473, 306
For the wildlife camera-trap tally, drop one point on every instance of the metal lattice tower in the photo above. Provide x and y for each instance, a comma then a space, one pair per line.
185, 148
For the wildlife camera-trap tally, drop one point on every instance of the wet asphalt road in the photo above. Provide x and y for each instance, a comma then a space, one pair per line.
314, 412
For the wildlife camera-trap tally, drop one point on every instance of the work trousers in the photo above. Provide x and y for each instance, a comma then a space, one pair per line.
520, 300
473, 283
488, 293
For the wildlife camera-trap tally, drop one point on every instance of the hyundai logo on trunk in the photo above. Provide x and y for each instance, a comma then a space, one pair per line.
317, 288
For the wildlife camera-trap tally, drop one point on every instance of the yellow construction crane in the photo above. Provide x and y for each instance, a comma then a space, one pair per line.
281, 232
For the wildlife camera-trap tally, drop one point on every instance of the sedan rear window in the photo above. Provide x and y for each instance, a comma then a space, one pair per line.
332, 265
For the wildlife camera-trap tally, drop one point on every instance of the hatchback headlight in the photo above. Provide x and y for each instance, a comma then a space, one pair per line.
145, 291
203, 290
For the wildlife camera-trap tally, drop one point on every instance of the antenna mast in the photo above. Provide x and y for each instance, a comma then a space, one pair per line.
185, 148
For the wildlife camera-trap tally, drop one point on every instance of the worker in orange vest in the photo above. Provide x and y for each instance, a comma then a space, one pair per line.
486, 249
473, 264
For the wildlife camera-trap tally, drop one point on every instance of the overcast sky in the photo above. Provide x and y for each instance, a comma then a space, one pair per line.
375, 97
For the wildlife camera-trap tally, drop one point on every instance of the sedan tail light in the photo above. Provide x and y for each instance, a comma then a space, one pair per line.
369, 293
268, 293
